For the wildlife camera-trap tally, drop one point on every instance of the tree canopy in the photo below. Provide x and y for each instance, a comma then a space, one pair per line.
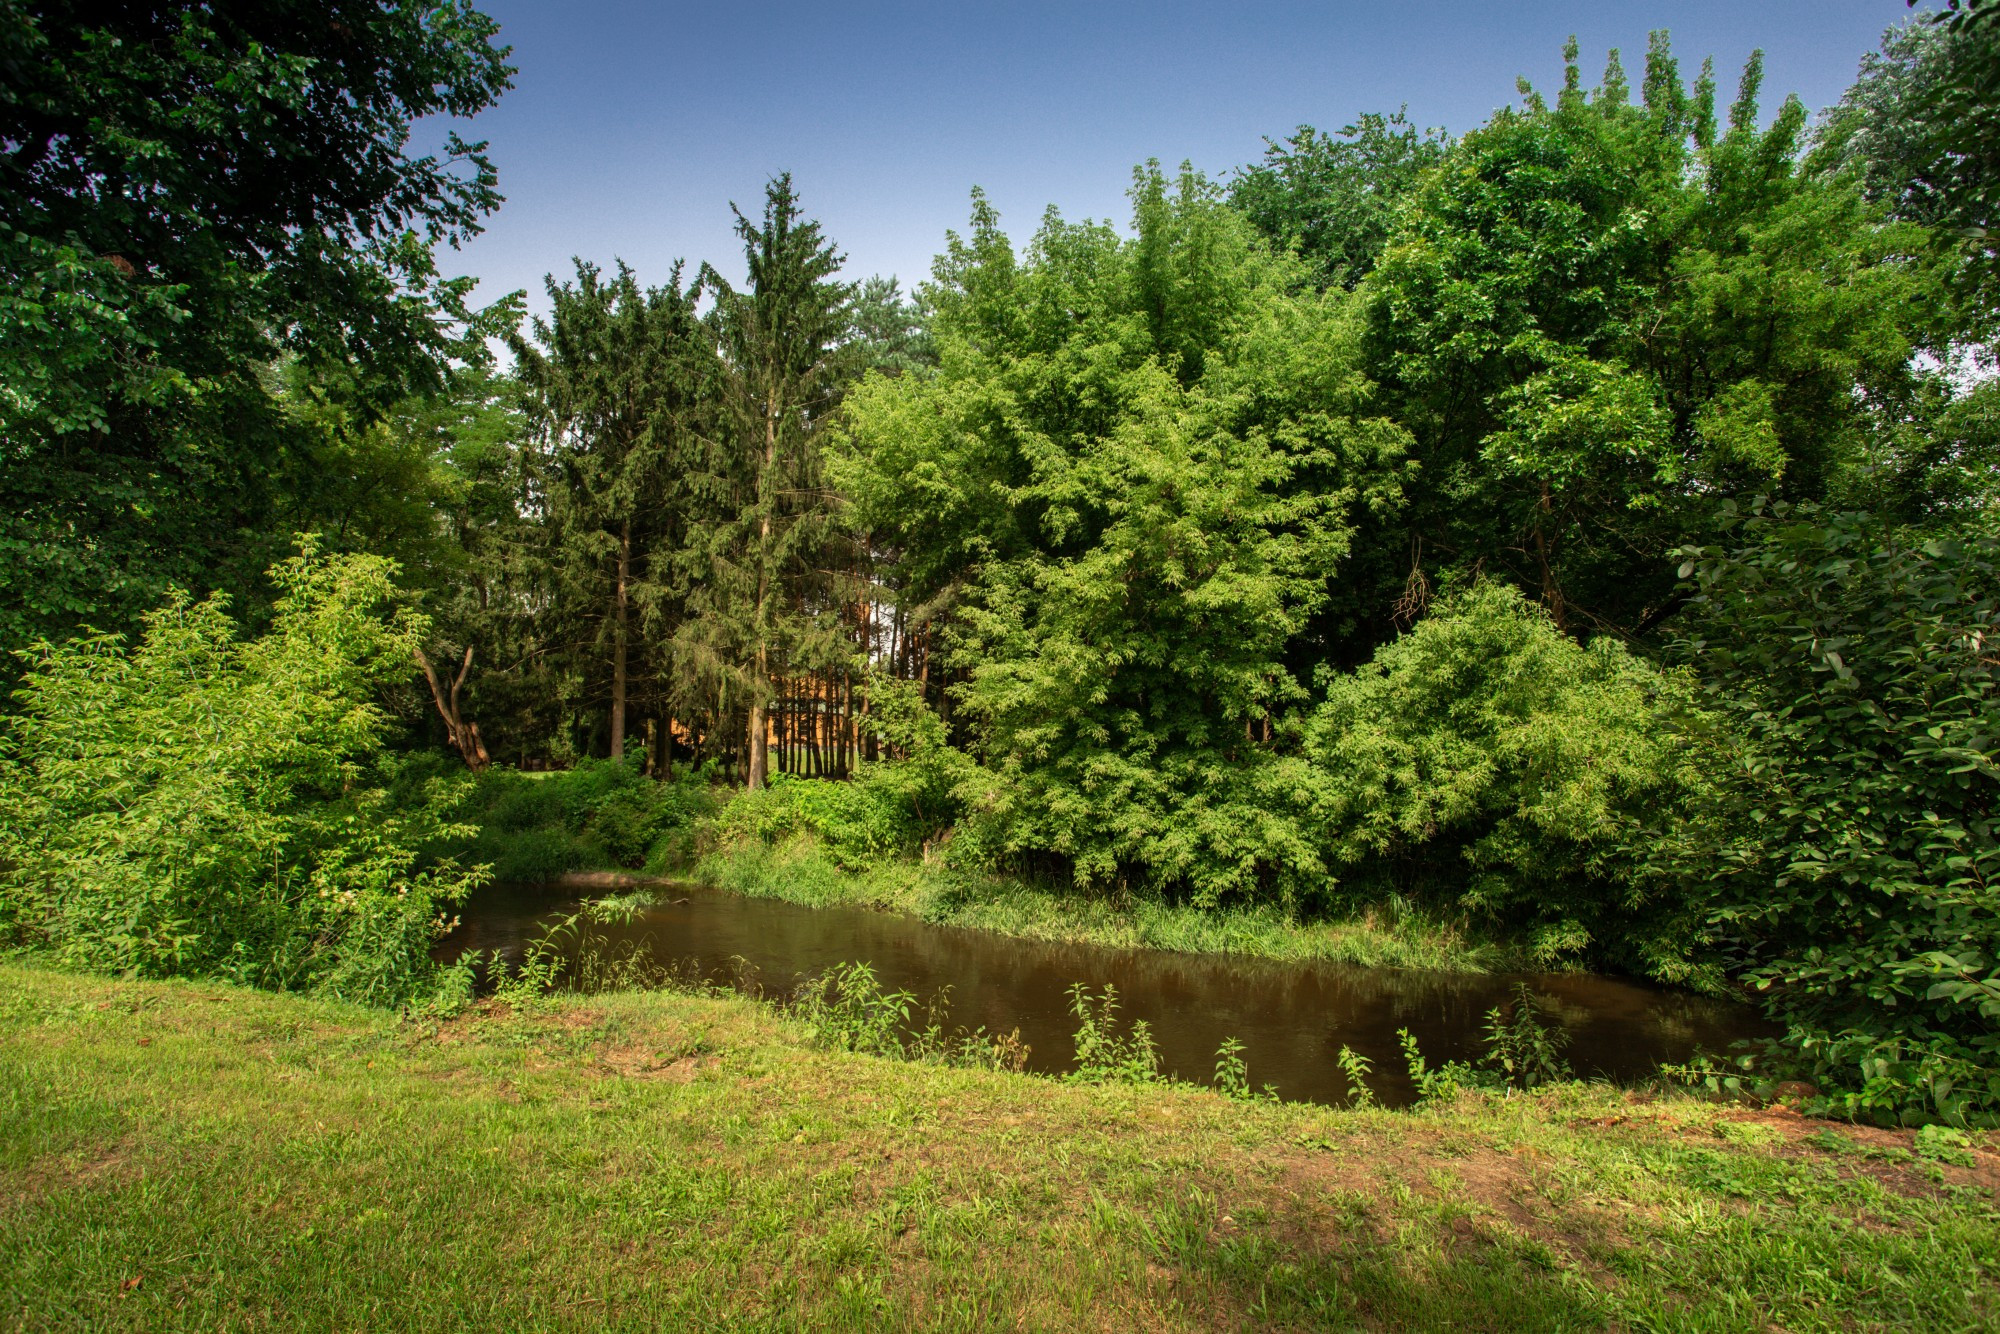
194, 194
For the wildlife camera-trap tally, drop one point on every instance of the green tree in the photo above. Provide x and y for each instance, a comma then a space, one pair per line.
890, 329
485, 575
198, 803
614, 374
190, 192
772, 583
1600, 315
1487, 762
1331, 199
1849, 855
1922, 126
1123, 491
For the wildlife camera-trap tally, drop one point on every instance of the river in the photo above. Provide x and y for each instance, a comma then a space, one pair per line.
1292, 1018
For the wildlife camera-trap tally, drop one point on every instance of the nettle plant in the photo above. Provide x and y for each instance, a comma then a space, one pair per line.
1849, 855
198, 803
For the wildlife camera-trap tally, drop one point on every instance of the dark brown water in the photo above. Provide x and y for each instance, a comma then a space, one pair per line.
1292, 1018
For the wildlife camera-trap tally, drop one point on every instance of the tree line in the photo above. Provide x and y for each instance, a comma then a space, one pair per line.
1557, 524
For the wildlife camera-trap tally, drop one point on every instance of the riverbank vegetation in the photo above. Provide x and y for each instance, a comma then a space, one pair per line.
1570, 543
192, 1154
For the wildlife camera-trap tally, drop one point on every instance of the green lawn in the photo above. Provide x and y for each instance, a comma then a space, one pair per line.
200, 1156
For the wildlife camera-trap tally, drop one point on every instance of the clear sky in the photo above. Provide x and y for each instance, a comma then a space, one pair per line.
632, 126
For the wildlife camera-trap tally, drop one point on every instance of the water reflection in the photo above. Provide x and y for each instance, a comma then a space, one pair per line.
1292, 1018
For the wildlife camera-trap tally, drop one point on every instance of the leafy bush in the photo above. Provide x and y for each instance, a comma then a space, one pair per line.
1850, 852
1488, 754
600, 815
1232, 1075
201, 804
1522, 1050
847, 1010
859, 823
1436, 1084
572, 954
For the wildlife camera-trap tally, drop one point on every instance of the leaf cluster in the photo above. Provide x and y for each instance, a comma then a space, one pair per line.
196, 803
1849, 850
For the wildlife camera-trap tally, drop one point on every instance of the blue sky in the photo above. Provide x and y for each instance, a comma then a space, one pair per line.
632, 126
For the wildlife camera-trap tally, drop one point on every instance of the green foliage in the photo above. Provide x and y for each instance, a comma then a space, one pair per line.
614, 380
1850, 853
1520, 1048
1441, 1085
1488, 751
1124, 490
599, 815
890, 808
772, 549
1600, 314
1331, 199
1921, 128
570, 954
1357, 1068
1103, 1054
1232, 1075
1711, 1074
933, 781
1944, 1144
201, 804
847, 1010
860, 824
890, 329
193, 193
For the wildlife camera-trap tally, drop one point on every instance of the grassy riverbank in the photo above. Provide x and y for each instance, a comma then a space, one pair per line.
798, 871
177, 1155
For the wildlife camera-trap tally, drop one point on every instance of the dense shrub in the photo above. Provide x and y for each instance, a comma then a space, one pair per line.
859, 823
1488, 758
201, 804
1851, 852
603, 814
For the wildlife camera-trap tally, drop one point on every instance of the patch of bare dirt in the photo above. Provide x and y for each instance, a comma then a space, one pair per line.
104, 1165
1886, 1156
634, 1062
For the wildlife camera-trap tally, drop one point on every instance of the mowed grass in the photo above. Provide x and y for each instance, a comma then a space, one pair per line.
201, 1156
799, 871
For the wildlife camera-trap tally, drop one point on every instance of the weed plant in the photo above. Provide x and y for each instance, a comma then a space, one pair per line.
1521, 1049
847, 1009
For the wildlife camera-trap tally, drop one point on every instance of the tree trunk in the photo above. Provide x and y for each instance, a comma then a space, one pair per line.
813, 756
758, 761
464, 735
621, 612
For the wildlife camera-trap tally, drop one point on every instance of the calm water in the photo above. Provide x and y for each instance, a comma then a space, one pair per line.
1292, 1018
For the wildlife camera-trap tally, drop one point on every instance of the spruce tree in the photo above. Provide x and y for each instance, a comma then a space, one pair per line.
785, 358
614, 375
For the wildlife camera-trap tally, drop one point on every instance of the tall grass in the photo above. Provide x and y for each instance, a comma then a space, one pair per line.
797, 870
